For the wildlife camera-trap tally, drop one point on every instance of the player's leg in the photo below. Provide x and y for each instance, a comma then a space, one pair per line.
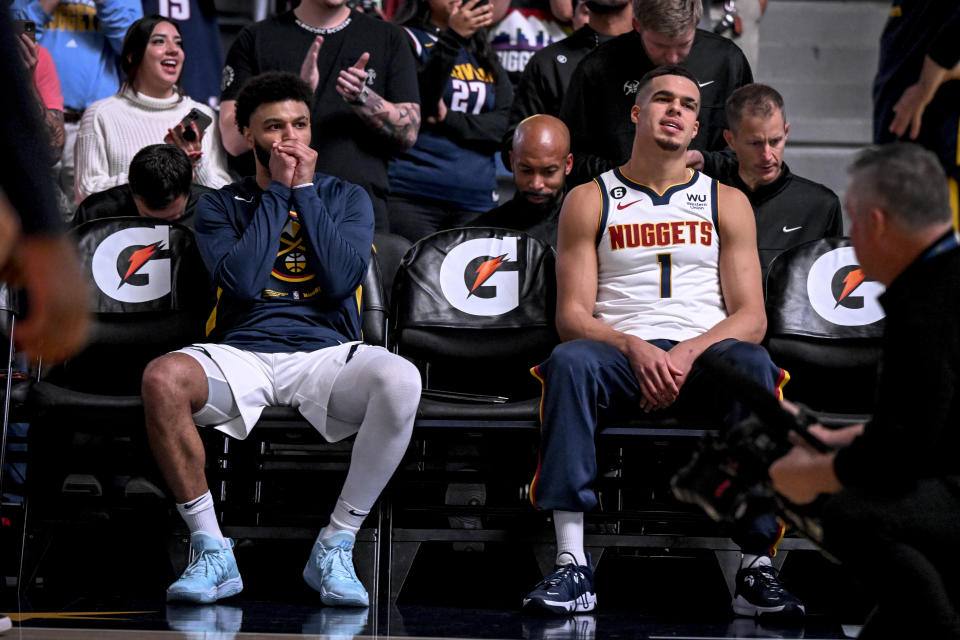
581, 379
376, 395
181, 391
758, 586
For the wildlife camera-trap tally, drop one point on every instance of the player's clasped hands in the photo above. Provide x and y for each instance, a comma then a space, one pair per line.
292, 162
656, 374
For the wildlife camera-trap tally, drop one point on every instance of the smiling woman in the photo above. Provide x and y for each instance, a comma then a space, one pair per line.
147, 110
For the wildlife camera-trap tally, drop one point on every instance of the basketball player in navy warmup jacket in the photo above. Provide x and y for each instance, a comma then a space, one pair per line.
657, 263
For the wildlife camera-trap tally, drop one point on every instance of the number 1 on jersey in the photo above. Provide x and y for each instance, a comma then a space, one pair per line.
666, 274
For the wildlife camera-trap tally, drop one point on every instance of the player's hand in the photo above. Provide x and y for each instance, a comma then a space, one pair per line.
57, 320
655, 374
352, 80
308, 70
283, 166
306, 160
469, 17
29, 54
682, 357
193, 148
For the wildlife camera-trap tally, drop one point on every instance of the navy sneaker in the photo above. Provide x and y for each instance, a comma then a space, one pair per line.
760, 592
569, 589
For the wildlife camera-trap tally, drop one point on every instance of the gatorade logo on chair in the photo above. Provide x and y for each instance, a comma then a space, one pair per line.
840, 293
133, 265
481, 276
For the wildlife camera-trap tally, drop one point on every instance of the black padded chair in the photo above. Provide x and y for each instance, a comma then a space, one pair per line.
390, 249
824, 325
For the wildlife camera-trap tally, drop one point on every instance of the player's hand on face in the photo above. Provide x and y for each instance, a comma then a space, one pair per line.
352, 80
193, 148
655, 374
283, 165
306, 160
469, 17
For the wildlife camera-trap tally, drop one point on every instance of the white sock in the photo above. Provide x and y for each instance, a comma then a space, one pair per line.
200, 516
751, 560
345, 517
569, 528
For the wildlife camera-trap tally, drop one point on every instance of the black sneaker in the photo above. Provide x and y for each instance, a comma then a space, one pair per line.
760, 592
569, 589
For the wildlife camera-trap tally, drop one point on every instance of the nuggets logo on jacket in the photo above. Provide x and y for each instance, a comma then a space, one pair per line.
133, 265
840, 293
481, 276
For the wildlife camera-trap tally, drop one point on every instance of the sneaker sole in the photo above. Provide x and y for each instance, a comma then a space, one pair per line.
586, 602
314, 578
229, 588
742, 607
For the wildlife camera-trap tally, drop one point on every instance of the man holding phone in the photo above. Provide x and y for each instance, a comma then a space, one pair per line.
84, 40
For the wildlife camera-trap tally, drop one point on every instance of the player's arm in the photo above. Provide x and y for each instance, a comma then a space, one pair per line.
577, 294
239, 262
739, 281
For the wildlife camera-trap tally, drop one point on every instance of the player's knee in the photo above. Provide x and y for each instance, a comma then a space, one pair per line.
398, 380
751, 359
576, 356
165, 379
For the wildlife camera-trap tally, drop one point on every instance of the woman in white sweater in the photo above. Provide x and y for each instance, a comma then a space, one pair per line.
147, 110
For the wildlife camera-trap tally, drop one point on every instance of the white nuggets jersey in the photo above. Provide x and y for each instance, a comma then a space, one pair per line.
658, 258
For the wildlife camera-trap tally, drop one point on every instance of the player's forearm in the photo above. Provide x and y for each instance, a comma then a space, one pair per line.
746, 325
576, 324
399, 123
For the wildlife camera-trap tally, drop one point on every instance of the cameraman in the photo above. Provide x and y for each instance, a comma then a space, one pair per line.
894, 510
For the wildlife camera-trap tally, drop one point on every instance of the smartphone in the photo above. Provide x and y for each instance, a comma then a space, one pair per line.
197, 117
28, 27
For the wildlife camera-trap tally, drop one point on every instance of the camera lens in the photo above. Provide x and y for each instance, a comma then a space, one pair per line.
188, 134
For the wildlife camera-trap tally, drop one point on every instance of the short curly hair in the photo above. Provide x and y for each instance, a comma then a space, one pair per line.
267, 88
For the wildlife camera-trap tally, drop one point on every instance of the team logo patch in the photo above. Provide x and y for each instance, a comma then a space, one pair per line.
618, 192
840, 292
371, 77
133, 265
562, 59
630, 87
481, 276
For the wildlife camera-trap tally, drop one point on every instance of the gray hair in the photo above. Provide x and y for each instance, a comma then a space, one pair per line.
669, 17
905, 181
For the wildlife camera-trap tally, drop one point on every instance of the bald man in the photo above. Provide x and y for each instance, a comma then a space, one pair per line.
540, 160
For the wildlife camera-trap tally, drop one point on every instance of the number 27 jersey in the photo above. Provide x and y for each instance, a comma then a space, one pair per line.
658, 258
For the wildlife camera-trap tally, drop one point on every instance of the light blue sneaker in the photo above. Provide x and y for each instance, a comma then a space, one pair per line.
212, 574
330, 571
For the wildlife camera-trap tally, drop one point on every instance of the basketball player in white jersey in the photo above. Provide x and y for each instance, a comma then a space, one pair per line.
657, 263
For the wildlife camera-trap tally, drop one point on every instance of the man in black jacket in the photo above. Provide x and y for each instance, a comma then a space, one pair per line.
604, 85
547, 75
893, 514
790, 210
540, 161
160, 186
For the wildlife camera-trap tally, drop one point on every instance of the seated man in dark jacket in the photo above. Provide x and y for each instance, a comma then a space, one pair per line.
541, 161
160, 186
790, 210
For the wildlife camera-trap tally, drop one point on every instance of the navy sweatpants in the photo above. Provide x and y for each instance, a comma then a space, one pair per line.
585, 381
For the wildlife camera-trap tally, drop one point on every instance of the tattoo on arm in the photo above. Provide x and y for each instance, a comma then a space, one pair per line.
398, 122
53, 119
